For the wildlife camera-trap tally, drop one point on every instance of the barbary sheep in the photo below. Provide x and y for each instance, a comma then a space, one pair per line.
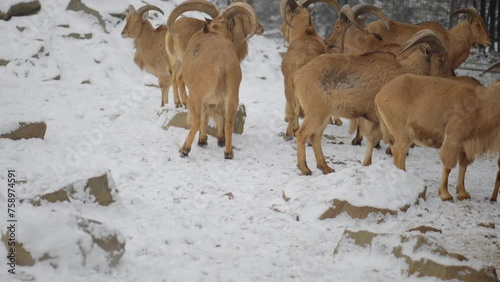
460, 116
305, 44
345, 86
212, 72
185, 28
150, 47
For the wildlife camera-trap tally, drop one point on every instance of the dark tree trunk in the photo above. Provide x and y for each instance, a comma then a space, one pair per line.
492, 21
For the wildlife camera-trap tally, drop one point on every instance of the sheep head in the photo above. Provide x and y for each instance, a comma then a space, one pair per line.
295, 13
348, 17
433, 50
136, 19
477, 27
246, 22
222, 22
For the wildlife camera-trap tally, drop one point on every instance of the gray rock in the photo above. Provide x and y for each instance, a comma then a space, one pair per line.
423, 255
30, 7
27, 130
110, 242
100, 189
180, 120
78, 6
361, 212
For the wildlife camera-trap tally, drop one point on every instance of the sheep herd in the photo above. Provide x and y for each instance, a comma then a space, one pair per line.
391, 79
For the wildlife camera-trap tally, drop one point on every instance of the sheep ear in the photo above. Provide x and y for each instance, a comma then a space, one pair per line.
131, 9
207, 23
231, 24
425, 50
144, 16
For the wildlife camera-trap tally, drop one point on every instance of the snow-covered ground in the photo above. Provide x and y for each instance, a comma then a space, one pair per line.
179, 222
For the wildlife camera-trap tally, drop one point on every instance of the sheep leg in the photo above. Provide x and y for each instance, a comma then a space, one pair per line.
399, 152
293, 122
231, 109
462, 194
443, 187
182, 89
165, 82
497, 184
221, 142
203, 138
302, 135
291, 110
356, 141
176, 94
449, 155
318, 152
373, 133
195, 117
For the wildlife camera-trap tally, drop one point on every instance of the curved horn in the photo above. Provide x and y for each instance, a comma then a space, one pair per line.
332, 3
290, 3
242, 8
425, 36
492, 67
347, 14
472, 12
365, 8
192, 5
146, 8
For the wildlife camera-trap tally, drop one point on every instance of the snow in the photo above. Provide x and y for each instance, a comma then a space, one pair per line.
174, 213
6, 4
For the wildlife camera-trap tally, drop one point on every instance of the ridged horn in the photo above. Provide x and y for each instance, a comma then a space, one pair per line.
146, 8
192, 5
472, 12
332, 3
426, 36
347, 14
242, 8
365, 8
290, 3
492, 67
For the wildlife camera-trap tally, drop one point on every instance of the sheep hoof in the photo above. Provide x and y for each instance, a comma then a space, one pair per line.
446, 197
388, 151
356, 142
463, 196
378, 147
228, 156
184, 152
287, 137
203, 143
178, 105
338, 122
326, 169
493, 200
305, 170
221, 143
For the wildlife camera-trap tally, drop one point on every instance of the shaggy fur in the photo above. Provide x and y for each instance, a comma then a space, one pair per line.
459, 115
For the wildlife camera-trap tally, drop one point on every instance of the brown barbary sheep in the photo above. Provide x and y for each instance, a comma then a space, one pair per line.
212, 72
305, 45
457, 41
149, 42
185, 28
460, 116
346, 85
345, 27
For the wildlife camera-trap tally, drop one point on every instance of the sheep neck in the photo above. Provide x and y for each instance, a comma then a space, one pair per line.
458, 45
145, 34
